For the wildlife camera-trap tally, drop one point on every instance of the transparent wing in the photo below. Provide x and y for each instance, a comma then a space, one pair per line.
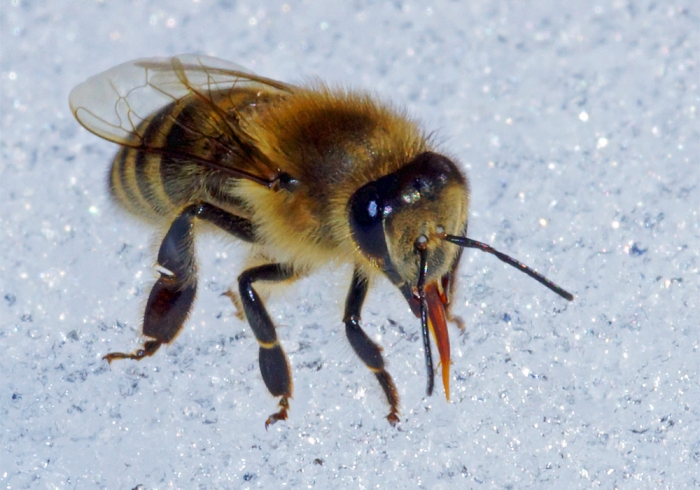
117, 104
114, 103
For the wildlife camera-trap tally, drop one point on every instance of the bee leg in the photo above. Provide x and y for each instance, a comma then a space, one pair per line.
173, 294
237, 304
368, 351
273, 361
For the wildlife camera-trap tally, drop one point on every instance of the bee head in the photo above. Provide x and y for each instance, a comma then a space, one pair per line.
416, 206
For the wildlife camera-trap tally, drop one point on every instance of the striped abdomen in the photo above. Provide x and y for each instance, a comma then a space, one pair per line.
166, 168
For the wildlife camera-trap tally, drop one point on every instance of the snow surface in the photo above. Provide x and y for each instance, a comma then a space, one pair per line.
578, 125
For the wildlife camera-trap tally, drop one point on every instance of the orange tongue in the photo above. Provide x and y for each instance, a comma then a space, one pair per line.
438, 326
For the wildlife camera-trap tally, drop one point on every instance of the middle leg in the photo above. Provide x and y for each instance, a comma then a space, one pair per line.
273, 361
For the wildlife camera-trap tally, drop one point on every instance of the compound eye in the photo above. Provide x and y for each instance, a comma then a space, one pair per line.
367, 221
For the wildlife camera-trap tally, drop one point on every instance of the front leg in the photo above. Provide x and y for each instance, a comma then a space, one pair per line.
273, 361
368, 351
173, 294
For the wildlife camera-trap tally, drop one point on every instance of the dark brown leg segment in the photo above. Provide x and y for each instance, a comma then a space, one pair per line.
173, 294
368, 351
273, 361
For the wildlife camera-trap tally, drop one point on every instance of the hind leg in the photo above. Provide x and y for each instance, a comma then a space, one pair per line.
172, 296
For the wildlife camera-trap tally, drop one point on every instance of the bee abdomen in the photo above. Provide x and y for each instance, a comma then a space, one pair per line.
149, 181
166, 168
135, 183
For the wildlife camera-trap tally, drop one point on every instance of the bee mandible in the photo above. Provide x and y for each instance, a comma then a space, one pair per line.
309, 175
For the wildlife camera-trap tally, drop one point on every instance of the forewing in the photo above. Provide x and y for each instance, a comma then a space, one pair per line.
114, 103
117, 104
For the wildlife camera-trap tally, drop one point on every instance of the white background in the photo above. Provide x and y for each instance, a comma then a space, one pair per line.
577, 123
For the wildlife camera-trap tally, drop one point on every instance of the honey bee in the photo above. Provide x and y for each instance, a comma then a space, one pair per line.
308, 175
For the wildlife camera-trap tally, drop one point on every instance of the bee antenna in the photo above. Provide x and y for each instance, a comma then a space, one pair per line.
465, 242
421, 248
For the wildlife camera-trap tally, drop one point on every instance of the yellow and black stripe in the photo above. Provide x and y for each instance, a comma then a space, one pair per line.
137, 176
167, 168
